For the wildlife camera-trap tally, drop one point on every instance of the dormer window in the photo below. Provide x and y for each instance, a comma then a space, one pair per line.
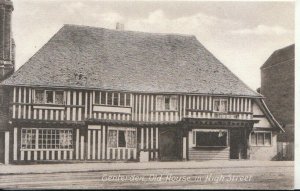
166, 103
220, 105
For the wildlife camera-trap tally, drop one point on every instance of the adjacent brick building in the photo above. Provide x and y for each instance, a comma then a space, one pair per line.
7, 66
277, 85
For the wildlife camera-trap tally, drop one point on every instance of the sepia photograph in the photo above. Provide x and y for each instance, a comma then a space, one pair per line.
131, 94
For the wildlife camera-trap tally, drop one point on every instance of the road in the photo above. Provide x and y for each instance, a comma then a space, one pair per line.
200, 178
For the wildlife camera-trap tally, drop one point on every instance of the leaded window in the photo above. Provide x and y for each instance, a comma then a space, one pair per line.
166, 103
47, 138
122, 137
28, 138
220, 105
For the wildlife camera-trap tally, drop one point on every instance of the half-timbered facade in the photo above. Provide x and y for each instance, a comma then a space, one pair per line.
99, 94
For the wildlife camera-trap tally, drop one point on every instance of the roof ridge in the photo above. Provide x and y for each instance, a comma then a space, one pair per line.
130, 31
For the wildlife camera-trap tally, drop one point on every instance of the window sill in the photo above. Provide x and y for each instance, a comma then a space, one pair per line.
121, 147
260, 145
46, 149
210, 147
49, 106
104, 105
164, 111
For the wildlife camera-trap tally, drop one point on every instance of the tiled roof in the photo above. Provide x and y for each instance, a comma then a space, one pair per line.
97, 58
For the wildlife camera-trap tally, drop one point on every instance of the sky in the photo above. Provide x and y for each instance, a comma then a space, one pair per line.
242, 35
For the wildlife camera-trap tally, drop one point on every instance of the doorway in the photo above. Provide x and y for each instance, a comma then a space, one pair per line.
238, 144
169, 146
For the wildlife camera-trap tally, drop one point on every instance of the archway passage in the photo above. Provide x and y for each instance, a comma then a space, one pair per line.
169, 145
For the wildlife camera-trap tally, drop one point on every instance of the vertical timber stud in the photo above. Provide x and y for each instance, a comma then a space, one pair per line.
14, 103
19, 101
6, 147
77, 144
80, 104
29, 101
103, 144
82, 148
15, 146
74, 108
184, 148
156, 144
68, 105
88, 144
24, 106
85, 106
142, 138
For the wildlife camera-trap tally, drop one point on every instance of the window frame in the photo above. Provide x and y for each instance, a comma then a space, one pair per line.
126, 134
220, 100
44, 101
264, 138
172, 106
112, 99
39, 146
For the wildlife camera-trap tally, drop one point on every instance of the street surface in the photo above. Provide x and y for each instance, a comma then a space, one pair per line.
230, 177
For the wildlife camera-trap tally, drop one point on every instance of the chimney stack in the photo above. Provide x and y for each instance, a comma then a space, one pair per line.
120, 26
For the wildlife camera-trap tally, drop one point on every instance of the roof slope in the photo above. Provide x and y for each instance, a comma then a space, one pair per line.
280, 55
89, 57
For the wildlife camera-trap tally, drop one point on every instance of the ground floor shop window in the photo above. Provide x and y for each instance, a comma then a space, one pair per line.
261, 139
28, 138
122, 137
41, 138
204, 138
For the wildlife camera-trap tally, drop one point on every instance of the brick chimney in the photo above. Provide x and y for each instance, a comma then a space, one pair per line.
7, 46
119, 26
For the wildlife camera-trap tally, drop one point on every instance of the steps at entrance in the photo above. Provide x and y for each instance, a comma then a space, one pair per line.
209, 153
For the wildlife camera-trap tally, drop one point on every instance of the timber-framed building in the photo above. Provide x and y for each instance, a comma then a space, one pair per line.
108, 95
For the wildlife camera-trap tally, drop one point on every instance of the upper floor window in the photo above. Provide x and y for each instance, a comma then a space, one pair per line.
165, 103
220, 105
49, 97
112, 98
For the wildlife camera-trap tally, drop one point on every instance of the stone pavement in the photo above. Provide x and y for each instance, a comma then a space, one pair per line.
114, 166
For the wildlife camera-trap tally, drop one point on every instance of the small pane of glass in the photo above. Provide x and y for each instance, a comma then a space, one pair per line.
116, 99
121, 138
59, 97
267, 139
49, 96
39, 96
109, 98
253, 138
127, 99
260, 139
